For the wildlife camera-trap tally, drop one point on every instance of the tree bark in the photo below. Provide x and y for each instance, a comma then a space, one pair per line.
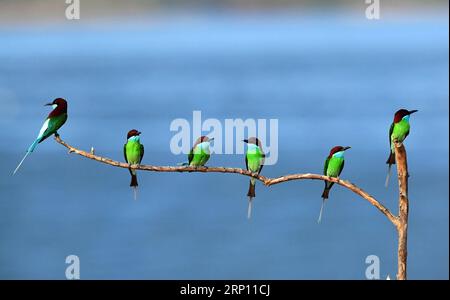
403, 202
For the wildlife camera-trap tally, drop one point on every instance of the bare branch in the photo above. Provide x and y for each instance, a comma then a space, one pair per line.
114, 163
402, 225
265, 180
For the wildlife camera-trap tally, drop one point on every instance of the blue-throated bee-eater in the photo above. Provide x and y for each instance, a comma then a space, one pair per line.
398, 131
334, 164
54, 121
200, 152
133, 151
254, 161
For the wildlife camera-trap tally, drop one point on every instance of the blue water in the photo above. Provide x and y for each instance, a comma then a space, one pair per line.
328, 81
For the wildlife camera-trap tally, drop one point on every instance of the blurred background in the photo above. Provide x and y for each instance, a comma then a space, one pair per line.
326, 72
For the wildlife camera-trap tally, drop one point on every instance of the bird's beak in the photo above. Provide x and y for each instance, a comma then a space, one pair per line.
413, 111
48, 104
245, 141
139, 132
346, 148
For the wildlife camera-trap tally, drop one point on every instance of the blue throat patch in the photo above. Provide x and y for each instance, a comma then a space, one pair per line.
134, 138
339, 154
252, 147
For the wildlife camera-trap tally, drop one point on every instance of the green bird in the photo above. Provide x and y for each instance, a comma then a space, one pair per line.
200, 152
334, 164
254, 161
398, 131
54, 121
133, 151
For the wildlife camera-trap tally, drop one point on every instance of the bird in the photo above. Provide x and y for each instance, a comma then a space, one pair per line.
54, 121
254, 162
334, 164
200, 152
398, 131
133, 151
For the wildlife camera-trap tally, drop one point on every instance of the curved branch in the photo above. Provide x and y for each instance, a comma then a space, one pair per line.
265, 180
347, 184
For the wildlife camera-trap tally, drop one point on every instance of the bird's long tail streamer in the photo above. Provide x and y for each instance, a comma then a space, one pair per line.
135, 192
388, 176
23, 159
249, 210
33, 146
30, 149
321, 210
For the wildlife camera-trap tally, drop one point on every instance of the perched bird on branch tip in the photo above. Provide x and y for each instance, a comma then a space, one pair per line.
398, 131
54, 121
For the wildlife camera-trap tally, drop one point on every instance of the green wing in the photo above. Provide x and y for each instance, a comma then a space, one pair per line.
125, 155
391, 130
53, 125
263, 160
142, 153
125, 152
191, 156
325, 167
